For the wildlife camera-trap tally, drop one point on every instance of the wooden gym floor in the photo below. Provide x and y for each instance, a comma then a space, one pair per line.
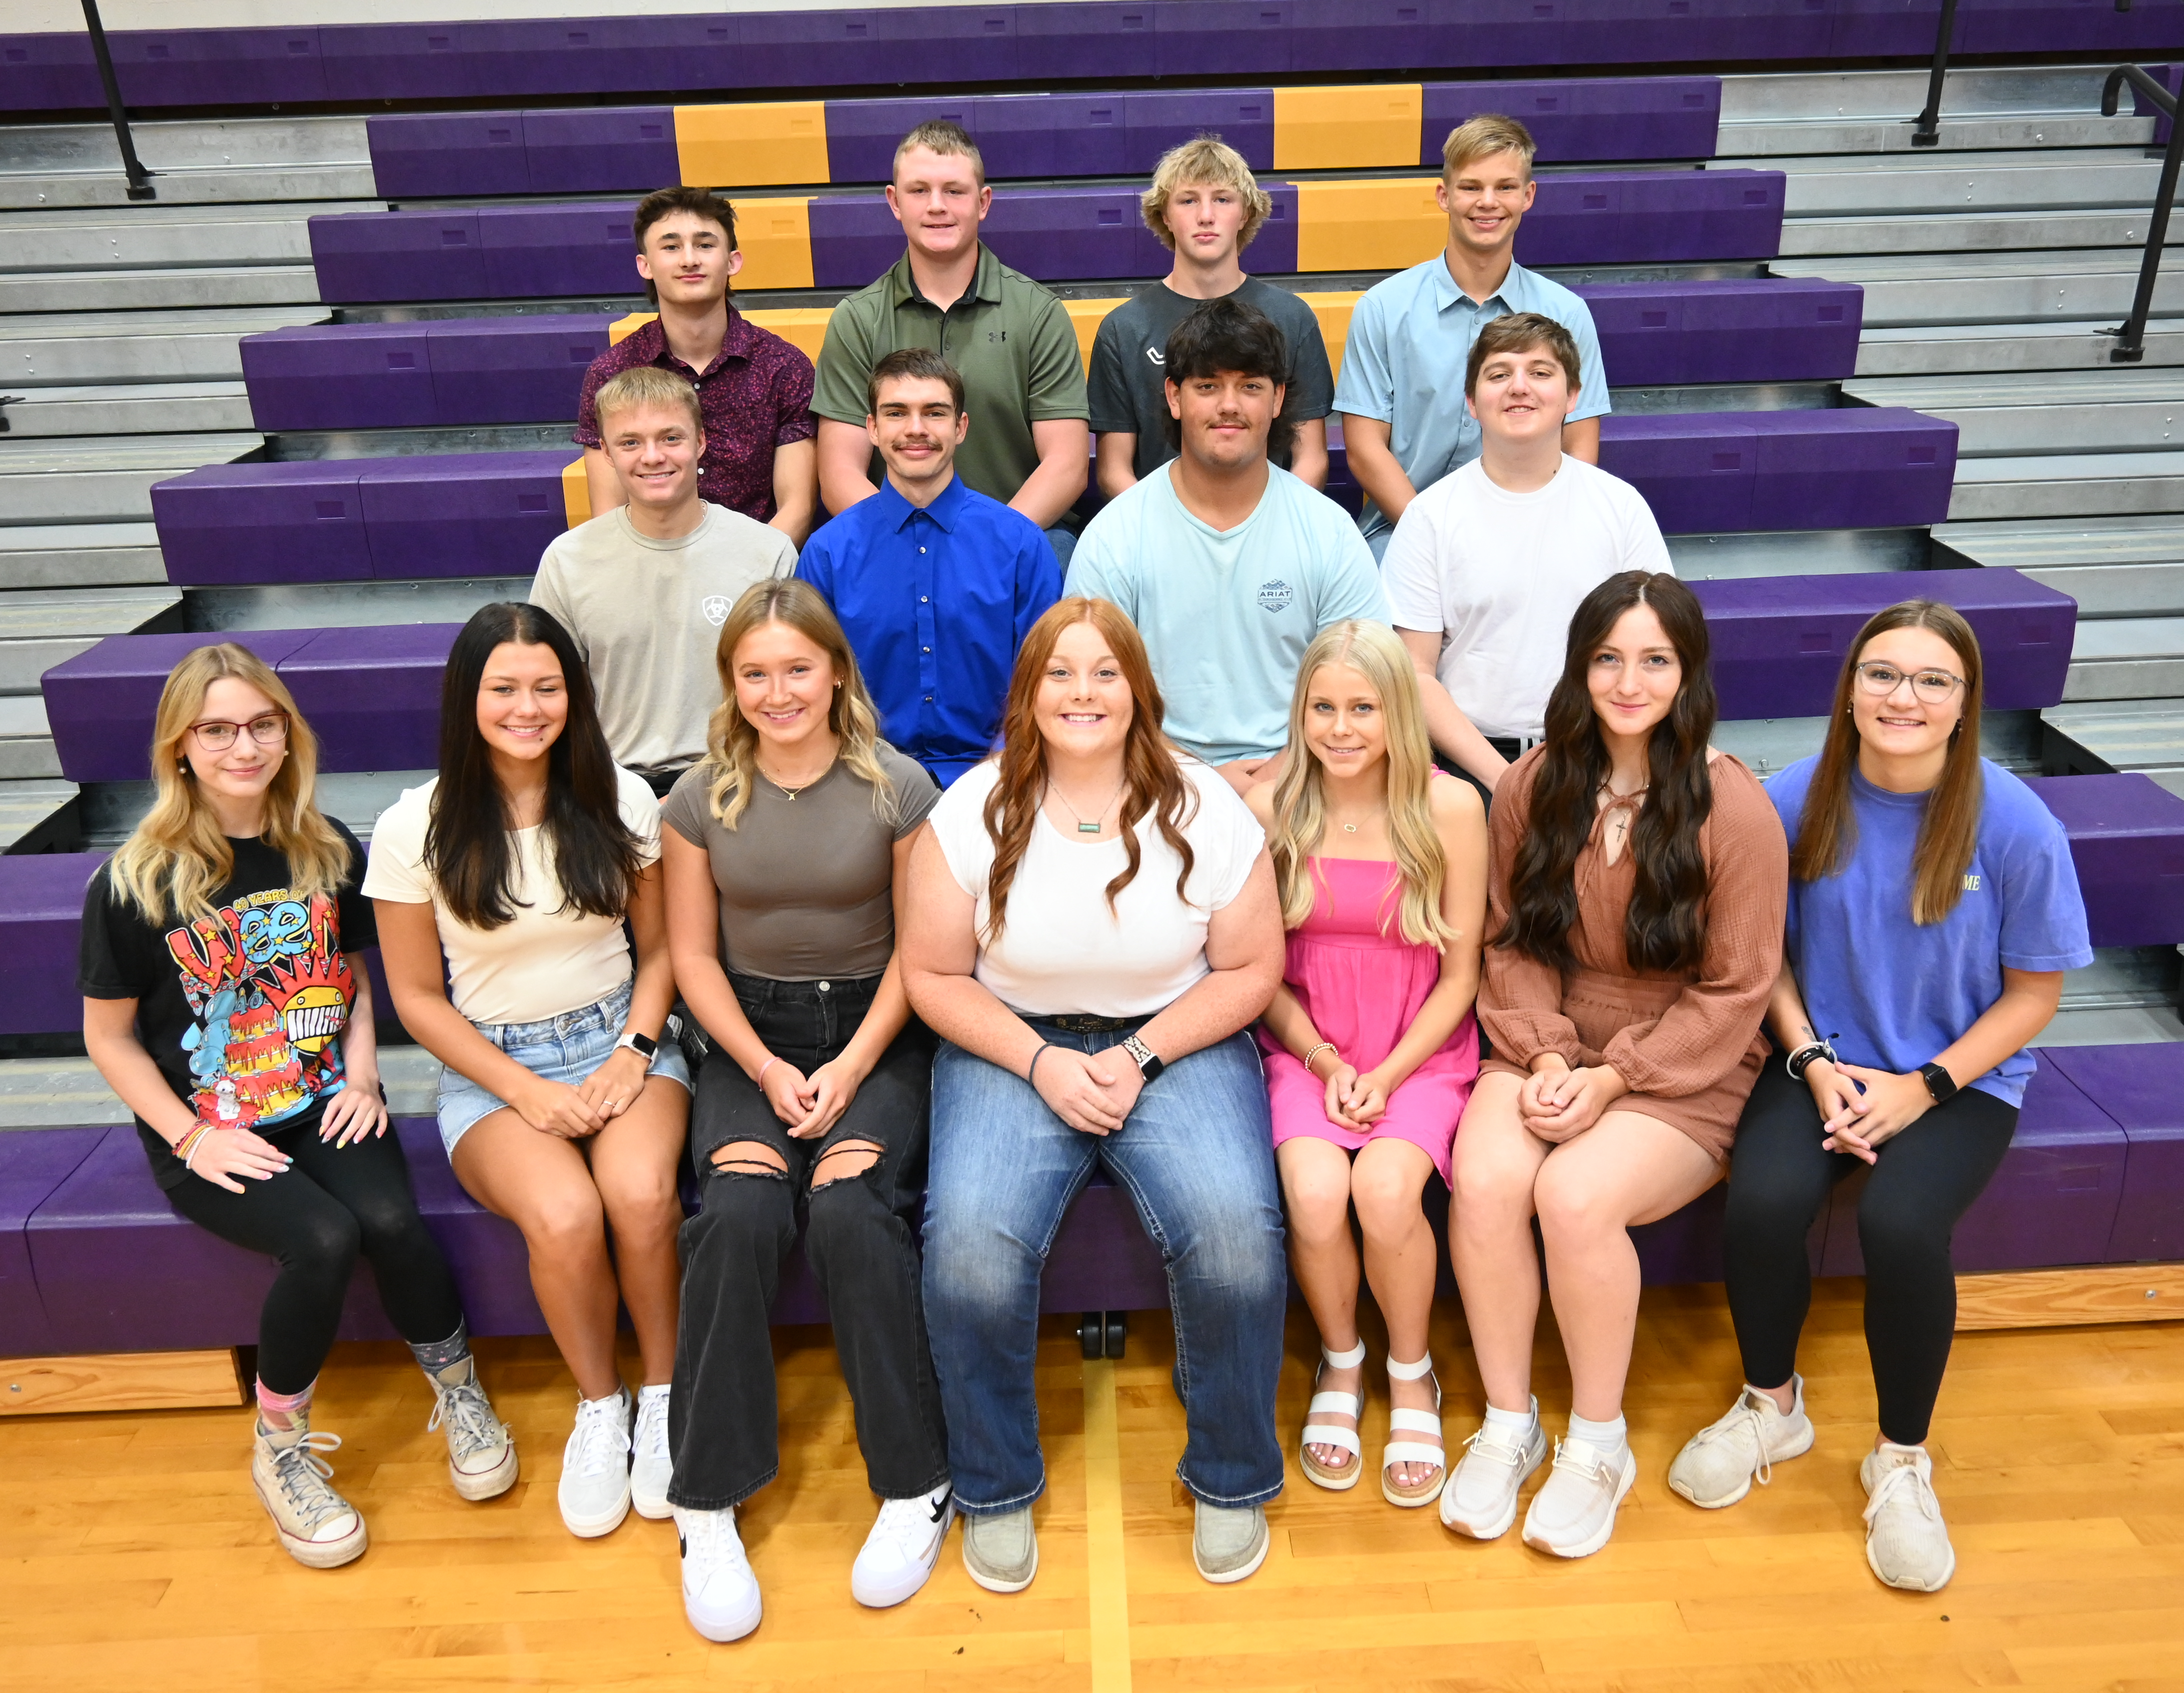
134, 1557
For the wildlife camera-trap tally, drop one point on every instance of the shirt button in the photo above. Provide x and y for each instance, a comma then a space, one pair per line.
925, 649
922, 600
928, 699
825, 987
921, 549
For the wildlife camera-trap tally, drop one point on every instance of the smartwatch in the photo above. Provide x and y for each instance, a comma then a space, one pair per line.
1939, 1083
644, 1045
1149, 1063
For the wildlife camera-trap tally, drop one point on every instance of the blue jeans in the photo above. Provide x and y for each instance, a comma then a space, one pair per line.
1197, 1158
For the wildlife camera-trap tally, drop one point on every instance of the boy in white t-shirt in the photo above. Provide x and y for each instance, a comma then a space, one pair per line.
1489, 562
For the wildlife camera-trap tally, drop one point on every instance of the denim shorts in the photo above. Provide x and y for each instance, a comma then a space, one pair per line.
564, 1049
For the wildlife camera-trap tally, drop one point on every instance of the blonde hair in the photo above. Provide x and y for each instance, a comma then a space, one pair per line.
177, 857
1300, 802
949, 139
1482, 136
647, 385
731, 741
1209, 162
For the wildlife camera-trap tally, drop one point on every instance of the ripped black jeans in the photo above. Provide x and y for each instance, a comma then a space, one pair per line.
859, 1233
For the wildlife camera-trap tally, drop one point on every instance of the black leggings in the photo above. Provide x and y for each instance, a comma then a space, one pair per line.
314, 1217
1926, 1179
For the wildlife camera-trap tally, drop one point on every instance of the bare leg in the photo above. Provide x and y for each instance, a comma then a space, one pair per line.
1490, 1233
1388, 1184
634, 1161
1627, 1168
1316, 1194
542, 1184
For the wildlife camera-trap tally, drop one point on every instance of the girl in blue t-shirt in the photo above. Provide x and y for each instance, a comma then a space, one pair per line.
1933, 910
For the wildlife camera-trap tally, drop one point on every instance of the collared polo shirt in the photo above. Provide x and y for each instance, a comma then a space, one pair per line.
755, 396
935, 603
1008, 338
1410, 338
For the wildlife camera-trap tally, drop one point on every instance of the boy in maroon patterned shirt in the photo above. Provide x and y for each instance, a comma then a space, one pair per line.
754, 387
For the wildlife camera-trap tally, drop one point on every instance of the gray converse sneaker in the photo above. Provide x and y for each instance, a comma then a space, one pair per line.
651, 1469
1573, 1515
1480, 1498
315, 1525
1228, 1542
481, 1452
594, 1490
1719, 1464
1907, 1543
999, 1550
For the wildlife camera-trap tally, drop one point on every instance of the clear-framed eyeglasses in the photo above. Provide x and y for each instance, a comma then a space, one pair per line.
1930, 687
267, 729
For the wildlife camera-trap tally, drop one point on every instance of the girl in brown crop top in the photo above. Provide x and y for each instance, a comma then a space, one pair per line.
1635, 893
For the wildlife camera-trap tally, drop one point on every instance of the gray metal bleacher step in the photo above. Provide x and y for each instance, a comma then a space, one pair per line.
129, 409
2116, 411
79, 555
65, 290
348, 605
75, 480
2126, 658
145, 237
1867, 112
68, 1093
2125, 995
76, 349
1833, 186
1953, 289
107, 810
1966, 232
2068, 484
2112, 566
195, 161
26, 741
2121, 734
28, 809
1955, 349
41, 627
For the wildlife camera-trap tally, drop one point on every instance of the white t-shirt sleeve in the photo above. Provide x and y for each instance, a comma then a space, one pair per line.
640, 813
394, 869
959, 827
1410, 574
549, 592
1225, 837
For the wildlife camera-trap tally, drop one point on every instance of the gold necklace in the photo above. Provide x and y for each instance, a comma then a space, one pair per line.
787, 792
1093, 827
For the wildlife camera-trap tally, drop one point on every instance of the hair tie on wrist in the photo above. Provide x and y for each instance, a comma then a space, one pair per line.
1031, 1070
762, 1069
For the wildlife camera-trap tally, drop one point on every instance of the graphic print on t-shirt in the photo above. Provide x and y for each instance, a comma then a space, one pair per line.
270, 989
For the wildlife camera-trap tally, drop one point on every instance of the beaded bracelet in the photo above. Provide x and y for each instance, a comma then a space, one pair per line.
1324, 1046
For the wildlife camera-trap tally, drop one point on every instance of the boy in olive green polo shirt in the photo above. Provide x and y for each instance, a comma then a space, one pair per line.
1029, 445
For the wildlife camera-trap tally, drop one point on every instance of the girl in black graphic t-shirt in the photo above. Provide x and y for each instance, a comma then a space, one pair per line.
224, 1002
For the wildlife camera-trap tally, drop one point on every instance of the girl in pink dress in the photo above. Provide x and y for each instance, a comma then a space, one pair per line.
1370, 1045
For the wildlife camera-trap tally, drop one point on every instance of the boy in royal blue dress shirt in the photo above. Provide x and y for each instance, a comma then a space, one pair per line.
935, 584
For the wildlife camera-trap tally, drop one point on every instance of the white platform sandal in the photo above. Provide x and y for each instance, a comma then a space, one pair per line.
1332, 1434
1401, 1451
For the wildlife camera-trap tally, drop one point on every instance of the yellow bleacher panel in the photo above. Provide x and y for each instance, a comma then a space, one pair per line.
1332, 311
1368, 226
776, 239
623, 327
752, 145
1344, 129
803, 327
1085, 317
576, 494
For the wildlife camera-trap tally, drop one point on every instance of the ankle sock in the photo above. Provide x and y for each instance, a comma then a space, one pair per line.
448, 1362
284, 1417
1601, 1437
1517, 1423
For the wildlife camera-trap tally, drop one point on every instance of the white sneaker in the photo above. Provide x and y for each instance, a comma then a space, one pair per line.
1573, 1515
720, 1593
652, 1468
1480, 1497
902, 1548
481, 1452
1907, 1543
594, 1490
1719, 1464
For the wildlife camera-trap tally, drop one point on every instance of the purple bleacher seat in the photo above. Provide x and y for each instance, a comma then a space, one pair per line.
1863, 29
1575, 121
512, 369
430, 153
100, 704
462, 513
33, 1163
1049, 135
862, 134
41, 911
1635, 217
854, 239
346, 376
1102, 1259
1069, 39
1242, 117
1694, 468
373, 695
2127, 841
50, 71
801, 48
2141, 1088
1243, 37
1087, 233
296, 522
1767, 329
404, 62
427, 255
601, 150
1328, 36
542, 252
2045, 26
1779, 642
230, 67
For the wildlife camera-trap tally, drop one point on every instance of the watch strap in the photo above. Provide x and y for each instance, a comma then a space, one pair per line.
642, 1045
1149, 1063
1941, 1085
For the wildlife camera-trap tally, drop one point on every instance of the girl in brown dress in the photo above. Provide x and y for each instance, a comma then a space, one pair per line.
1635, 899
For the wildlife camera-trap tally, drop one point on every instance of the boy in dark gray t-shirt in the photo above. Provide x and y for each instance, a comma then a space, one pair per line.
1205, 207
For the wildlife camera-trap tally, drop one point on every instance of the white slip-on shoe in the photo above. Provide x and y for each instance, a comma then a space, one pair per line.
1719, 1464
720, 1593
1401, 1451
1228, 1542
1001, 1549
1574, 1513
1907, 1543
905, 1544
1349, 1405
594, 1489
480, 1451
651, 1469
1480, 1497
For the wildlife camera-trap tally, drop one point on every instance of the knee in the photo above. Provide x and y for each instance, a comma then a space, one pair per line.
844, 1208
641, 1203
1893, 1230
566, 1222
1237, 1246
1574, 1209
1318, 1203
1389, 1200
326, 1247
1487, 1191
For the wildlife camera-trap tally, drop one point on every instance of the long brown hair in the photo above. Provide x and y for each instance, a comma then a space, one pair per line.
177, 857
1153, 783
1949, 831
1664, 928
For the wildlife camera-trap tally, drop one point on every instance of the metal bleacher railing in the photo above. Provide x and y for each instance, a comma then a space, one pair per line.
2130, 343
140, 179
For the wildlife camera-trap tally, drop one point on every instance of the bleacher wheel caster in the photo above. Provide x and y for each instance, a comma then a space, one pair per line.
1102, 1334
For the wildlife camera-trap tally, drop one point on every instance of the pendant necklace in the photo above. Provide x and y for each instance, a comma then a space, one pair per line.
1092, 827
784, 789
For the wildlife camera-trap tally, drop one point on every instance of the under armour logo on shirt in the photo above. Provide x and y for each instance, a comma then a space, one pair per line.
715, 608
1157, 356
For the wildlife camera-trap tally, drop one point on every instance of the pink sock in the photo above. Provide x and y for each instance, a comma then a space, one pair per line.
281, 1412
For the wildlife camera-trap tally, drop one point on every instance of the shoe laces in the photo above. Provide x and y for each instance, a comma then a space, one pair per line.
650, 1437
907, 1525
1903, 1478
468, 1414
600, 1439
1581, 1457
305, 1477
1484, 1442
1744, 1417
710, 1545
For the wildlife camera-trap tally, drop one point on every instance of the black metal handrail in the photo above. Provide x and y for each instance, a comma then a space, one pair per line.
1927, 131
132, 168
2131, 343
